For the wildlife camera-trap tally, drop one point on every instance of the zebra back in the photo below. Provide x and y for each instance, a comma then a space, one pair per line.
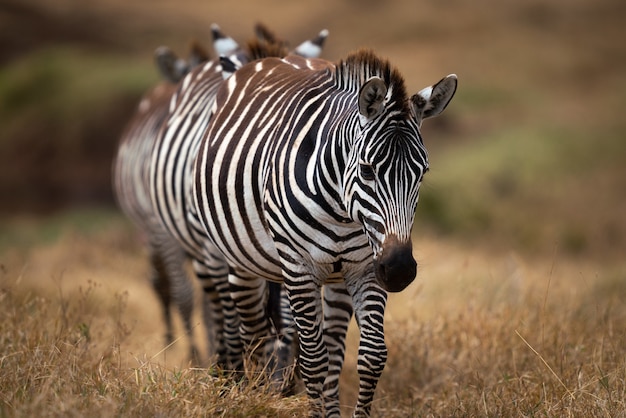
130, 166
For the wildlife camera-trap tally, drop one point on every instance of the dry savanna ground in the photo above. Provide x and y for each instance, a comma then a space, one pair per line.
480, 333
519, 307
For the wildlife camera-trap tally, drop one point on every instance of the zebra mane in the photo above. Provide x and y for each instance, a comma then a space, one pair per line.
263, 33
197, 53
359, 66
259, 49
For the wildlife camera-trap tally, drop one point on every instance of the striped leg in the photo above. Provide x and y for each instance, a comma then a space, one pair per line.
250, 297
171, 284
369, 301
161, 285
183, 293
220, 317
282, 358
305, 300
337, 315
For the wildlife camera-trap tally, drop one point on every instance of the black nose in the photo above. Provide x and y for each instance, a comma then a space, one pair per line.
395, 268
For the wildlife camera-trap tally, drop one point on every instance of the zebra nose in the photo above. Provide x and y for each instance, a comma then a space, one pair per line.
395, 268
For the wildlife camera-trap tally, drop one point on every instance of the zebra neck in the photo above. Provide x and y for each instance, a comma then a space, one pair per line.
335, 145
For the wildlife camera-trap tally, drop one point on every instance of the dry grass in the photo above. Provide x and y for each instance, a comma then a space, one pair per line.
79, 338
478, 334
63, 357
530, 154
489, 334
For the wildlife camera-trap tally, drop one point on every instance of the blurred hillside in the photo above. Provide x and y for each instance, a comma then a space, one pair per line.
531, 152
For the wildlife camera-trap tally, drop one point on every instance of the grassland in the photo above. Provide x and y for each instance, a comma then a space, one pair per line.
480, 333
519, 308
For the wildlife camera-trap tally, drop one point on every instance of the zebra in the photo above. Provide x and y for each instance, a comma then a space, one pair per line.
130, 184
169, 188
308, 175
130, 187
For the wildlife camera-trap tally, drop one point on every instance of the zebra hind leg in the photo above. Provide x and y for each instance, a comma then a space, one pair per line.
173, 286
250, 295
220, 317
161, 285
183, 296
282, 360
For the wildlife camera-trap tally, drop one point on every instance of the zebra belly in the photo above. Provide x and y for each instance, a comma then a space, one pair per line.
255, 255
242, 233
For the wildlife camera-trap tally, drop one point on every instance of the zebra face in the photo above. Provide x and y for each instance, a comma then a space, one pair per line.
388, 164
388, 173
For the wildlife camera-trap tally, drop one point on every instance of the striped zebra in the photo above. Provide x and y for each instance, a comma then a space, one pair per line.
130, 177
130, 187
169, 187
309, 175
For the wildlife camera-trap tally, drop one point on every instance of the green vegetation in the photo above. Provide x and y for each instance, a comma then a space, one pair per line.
25, 232
529, 187
62, 110
60, 86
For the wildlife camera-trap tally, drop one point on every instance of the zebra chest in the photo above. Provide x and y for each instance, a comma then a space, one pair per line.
301, 226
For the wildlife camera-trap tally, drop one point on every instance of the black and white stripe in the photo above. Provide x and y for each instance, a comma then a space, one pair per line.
309, 175
131, 189
131, 185
169, 177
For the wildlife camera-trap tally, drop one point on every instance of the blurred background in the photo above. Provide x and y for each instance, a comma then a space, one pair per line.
531, 154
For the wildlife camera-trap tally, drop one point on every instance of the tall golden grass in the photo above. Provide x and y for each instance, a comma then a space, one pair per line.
81, 335
529, 157
479, 334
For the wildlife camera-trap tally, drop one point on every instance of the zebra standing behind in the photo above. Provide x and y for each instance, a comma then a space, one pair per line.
309, 174
130, 187
130, 170
169, 185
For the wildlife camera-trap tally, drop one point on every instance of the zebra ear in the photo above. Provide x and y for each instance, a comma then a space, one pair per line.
197, 54
312, 48
432, 100
170, 66
372, 97
222, 44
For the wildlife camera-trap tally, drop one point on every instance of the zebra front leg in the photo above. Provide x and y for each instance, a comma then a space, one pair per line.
170, 282
369, 301
305, 300
250, 297
337, 315
219, 315
172, 285
282, 357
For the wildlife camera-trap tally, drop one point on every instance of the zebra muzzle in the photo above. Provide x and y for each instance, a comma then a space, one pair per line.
395, 268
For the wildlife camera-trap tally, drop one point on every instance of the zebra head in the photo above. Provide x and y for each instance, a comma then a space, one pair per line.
387, 164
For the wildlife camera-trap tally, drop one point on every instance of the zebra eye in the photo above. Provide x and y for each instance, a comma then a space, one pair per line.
367, 172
